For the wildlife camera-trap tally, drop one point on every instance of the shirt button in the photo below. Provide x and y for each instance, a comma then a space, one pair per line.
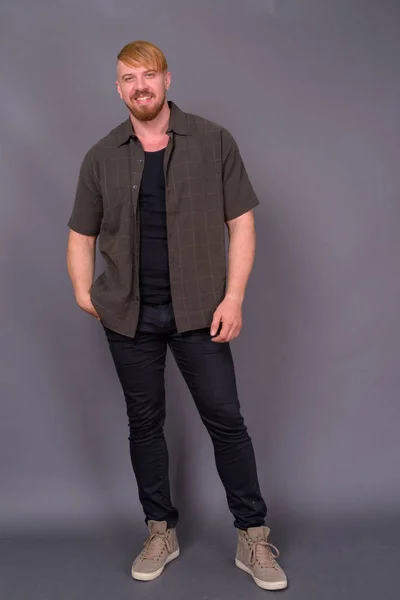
140, 161
134, 187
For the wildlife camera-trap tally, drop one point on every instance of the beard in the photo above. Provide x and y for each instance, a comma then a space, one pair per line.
146, 113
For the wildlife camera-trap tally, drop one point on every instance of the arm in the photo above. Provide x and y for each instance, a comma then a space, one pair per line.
84, 223
242, 242
81, 254
242, 246
239, 202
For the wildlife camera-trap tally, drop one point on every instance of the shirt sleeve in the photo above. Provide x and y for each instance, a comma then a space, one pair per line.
239, 195
87, 212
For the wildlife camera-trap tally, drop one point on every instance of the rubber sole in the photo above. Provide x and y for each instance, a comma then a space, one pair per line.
273, 585
150, 576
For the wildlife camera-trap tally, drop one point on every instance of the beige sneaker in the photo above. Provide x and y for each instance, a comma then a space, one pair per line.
254, 555
159, 549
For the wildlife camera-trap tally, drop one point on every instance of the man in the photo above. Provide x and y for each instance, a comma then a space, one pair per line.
158, 191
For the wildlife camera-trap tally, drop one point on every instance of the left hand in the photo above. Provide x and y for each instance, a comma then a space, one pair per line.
230, 313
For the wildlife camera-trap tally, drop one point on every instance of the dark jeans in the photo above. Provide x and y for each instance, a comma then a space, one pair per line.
208, 370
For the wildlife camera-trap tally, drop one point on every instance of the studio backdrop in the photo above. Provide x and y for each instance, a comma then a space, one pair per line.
310, 91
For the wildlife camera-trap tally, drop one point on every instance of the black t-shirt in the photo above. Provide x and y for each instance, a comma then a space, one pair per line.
154, 268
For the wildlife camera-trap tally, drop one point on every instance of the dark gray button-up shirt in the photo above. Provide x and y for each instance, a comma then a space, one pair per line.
206, 184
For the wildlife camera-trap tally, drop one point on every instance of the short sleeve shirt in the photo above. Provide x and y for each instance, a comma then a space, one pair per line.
206, 185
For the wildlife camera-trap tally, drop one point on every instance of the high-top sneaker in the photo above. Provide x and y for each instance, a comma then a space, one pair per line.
255, 556
159, 549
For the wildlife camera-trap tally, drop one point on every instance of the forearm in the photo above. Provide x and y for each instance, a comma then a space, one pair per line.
81, 262
242, 244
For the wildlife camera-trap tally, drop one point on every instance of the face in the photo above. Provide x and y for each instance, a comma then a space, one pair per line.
143, 90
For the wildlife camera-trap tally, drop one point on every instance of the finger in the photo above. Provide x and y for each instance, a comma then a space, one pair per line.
215, 324
235, 333
237, 330
231, 334
223, 333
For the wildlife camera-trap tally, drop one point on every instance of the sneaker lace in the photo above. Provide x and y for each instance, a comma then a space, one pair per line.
155, 545
261, 551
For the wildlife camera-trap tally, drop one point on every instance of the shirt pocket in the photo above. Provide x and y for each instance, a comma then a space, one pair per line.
116, 180
116, 195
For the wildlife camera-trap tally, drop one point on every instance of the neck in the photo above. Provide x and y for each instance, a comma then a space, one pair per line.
155, 127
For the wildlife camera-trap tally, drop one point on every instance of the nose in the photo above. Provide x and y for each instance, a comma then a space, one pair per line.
141, 83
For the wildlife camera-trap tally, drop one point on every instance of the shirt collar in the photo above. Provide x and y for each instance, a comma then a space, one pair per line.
177, 123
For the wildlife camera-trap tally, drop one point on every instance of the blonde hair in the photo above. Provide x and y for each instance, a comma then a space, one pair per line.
143, 54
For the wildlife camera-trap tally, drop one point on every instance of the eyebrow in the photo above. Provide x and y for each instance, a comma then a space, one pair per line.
129, 74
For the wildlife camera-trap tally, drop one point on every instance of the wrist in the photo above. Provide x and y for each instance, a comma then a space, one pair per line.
235, 296
82, 296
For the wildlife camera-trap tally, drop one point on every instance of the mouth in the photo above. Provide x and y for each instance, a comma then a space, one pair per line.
145, 99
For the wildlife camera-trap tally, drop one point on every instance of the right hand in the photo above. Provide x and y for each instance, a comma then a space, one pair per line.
85, 303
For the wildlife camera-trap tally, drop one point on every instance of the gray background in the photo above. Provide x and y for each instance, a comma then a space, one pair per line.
310, 90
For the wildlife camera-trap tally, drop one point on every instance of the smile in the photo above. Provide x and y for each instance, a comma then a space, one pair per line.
144, 99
